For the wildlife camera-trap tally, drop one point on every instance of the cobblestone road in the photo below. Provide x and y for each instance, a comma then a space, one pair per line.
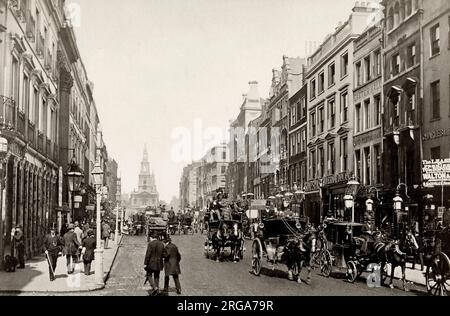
204, 277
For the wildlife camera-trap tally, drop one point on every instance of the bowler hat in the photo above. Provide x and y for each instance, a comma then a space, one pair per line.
71, 226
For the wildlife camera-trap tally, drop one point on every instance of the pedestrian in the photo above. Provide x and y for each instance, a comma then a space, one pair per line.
79, 232
53, 249
89, 245
86, 229
172, 260
19, 246
63, 229
106, 232
71, 247
154, 262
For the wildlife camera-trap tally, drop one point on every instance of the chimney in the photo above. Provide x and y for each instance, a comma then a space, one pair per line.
253, 93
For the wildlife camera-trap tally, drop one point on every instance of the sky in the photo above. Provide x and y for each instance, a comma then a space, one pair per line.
167, 71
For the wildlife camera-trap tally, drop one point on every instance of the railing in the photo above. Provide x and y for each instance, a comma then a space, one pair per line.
31, 134
7, 112
31, 26
40, 142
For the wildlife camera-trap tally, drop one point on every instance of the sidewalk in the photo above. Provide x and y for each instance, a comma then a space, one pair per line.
35, 277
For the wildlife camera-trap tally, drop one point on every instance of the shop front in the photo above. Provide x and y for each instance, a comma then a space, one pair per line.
313, 202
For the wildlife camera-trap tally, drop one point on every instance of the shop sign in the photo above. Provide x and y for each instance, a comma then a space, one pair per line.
337, 178
369, 90
367, 137
436, 134
313, 185
436, 172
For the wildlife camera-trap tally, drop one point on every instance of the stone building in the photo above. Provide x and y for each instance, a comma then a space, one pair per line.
188, 186
147, 193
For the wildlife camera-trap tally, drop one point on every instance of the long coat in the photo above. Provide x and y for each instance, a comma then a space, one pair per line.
153, 257
172, 260
71, 243
89, 243
53, 244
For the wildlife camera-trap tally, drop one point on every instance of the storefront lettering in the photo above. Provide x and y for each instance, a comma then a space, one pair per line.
337, 178
368, 91
436, 172
436, 134
366, 138
313, 185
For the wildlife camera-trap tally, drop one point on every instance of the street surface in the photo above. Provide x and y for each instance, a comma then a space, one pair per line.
205, 277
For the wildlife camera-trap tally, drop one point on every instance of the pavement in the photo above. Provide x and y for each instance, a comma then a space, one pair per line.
35, 277
415, 276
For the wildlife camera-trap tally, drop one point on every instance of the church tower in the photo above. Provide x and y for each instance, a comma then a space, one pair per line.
147, 194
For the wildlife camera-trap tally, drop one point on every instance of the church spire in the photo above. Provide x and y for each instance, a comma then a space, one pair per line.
145, 158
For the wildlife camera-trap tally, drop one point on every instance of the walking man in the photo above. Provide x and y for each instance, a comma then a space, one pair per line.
106, 232
52, 247
89, 245
154, 263
172, 260
71, 247
79, 232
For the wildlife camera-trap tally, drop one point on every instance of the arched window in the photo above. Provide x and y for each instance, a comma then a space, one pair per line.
408, 7
402, 10
390, 19
396, 14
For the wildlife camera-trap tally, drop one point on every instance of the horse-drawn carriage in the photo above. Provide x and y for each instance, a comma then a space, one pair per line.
157, 226
222, 234
283, 241
347, 247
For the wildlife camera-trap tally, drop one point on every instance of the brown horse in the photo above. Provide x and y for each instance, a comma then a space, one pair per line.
298, 253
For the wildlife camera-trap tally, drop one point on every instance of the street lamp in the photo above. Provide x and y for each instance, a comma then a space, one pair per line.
97, 174
349, 198
398, 201
74, 177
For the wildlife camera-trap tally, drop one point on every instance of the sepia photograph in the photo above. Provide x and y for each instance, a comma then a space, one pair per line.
226, 149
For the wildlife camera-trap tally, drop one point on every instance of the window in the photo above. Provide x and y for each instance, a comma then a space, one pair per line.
321, 82
313, 164
411, 55
298, 137
293, 115
331, 74
49, 122
367, 124
377, 66
408, 7
358, 74
321, 162
358, 164
367, 68
377, 106
224, 155
377, 153
344, 65
396, 14
435, 153
313, 124
344, 154
332, 113
321, 119
303, 140
304, 106
390, 19
435, 40
358, 118
331, 158
15, 80
395, 65
223, 169
344, 107
367, 166
293, 144
34, 106
435, 99
313, 88
25, 93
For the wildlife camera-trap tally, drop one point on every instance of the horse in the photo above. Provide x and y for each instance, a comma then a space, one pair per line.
236, 239
219, 240
298, 254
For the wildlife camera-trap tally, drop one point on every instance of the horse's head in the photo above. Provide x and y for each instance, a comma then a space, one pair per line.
235, 229
411, 241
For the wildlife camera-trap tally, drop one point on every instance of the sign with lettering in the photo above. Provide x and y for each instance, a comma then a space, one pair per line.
367, 91
313, 185
337, 178
436, 134
436, 172
367, 137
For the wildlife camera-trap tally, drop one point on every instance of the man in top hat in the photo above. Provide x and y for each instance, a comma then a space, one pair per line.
53, 249
154, 262
216, 206
172, 260
71, 247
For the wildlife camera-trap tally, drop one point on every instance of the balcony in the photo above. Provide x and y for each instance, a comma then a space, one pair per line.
31, 27
7, 113
31, 134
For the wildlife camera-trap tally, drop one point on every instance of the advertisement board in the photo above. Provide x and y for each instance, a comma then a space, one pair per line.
436, 172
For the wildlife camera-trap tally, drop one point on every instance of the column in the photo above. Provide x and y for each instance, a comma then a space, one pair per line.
20, 196
26, 217
14, 192
34, 208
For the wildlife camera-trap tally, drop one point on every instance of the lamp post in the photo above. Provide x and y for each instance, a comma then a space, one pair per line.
116, 234
74, 177
97, 174
349, 198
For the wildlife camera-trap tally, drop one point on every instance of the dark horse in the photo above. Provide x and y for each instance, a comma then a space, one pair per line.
298, 253
395, 252
224, 238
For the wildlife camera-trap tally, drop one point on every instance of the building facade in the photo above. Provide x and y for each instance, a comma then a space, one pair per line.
331, 119
188, 186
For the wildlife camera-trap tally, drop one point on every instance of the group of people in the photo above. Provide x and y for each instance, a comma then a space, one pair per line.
162, 255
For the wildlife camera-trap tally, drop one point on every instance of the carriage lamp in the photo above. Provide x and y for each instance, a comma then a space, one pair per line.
369, 205
398, 201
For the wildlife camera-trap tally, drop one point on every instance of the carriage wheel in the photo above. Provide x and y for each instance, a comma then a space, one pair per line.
256, 258
326, 264
352, 271
438, 275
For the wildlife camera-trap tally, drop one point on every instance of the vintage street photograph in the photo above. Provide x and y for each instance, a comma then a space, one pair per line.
225, 148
